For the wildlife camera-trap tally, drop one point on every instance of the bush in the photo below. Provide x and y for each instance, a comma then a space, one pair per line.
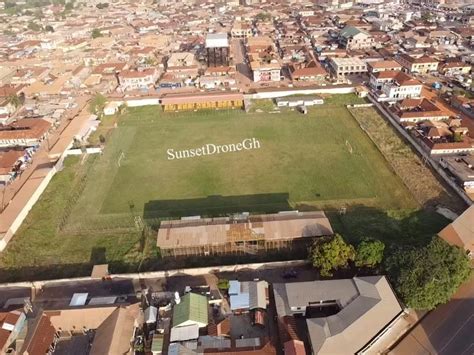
223, 284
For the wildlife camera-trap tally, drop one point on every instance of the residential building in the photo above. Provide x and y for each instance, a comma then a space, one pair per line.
248, 296
135, 80
264, 71
416, 110
455, 68
27, 132
383, 65
462, 168
69, 330
342, 67
359, 309
421, 65
464, 104
394, 85
191, 310
10, 165
460, 232
307, 72
353, 38
241, 30
11, 324
241, 234
264, 61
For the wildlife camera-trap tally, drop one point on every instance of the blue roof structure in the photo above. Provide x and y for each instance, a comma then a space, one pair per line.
239, 295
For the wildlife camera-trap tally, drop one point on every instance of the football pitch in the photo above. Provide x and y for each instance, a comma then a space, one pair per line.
319, 160
94, 210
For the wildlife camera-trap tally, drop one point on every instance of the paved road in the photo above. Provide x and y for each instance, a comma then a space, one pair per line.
448, 330
57, 296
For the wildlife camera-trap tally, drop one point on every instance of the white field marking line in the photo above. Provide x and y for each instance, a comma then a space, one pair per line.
460, 328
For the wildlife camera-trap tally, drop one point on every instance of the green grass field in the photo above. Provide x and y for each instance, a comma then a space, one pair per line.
321, 160
94, 210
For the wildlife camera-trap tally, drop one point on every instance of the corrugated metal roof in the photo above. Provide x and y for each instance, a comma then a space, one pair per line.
102, 300
157, 344
368, 305
151, 314
193, 307
258, 294
188, 332
248, 342
78, 299
218, 231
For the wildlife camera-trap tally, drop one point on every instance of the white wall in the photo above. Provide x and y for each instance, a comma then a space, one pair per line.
289, 92
142, 102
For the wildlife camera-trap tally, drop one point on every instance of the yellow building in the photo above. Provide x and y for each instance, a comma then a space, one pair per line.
192, 102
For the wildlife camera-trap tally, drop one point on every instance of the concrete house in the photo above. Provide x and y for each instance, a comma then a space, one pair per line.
353, 38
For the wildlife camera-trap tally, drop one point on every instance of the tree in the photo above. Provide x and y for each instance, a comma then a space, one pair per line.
328, 254
369, 253
96, 33
14, 100
223, 284
102, 5
457, 137
263, 16
428, 276
34, 27
122, 108
69, 6
49, 28
97, 104
22, 98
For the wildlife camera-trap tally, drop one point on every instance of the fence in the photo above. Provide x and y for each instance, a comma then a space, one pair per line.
297, 91
361, 105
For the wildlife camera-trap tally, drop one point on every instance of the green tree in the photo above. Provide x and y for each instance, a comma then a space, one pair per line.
457, 137
223, 284
369, 253
331, 253
14, 100
96, 33
49, 28
428, 276
34, 27
102, 5
97, 104
69, 6
263, 16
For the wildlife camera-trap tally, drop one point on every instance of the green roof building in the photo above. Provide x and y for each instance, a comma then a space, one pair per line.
353, 38
192, 310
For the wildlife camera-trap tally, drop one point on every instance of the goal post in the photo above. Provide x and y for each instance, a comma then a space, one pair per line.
349, 146
119, 160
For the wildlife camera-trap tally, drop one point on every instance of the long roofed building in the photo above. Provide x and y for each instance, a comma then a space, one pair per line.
241, 234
